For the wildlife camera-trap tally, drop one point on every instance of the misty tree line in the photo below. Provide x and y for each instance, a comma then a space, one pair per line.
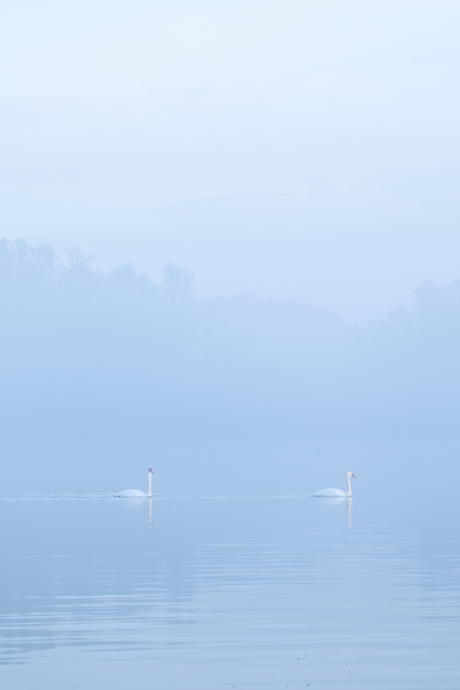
85, 355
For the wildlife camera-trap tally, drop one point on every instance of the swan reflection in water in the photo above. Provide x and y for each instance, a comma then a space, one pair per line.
150, 511
136, 494
339, 496
349, 512
342, 501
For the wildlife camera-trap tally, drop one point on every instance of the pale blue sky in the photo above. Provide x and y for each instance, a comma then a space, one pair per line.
190, 120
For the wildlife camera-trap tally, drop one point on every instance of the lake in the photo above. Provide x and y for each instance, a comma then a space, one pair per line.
220, 591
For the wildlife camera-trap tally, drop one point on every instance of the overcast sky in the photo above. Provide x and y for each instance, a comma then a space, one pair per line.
295, 149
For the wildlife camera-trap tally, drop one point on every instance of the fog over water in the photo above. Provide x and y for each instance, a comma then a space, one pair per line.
229, 251
114, 358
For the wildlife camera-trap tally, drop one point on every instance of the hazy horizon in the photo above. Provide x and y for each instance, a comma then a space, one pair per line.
93, 355
295, 150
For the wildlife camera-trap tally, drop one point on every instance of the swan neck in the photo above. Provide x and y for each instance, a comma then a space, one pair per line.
348, 485
149, 491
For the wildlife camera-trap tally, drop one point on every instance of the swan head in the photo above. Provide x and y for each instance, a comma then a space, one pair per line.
150, 470
350, 474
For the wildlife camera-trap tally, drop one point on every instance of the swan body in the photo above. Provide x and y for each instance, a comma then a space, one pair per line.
131, 493
331, 493
135, 493
337, 493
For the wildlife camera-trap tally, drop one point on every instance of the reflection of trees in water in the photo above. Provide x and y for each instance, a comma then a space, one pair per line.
77, 565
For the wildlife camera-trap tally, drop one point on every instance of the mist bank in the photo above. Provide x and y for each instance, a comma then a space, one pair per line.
93, 356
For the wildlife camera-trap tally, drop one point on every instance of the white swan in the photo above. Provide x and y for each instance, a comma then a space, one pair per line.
337, 493
135, 493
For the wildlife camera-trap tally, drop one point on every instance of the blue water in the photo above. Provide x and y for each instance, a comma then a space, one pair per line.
207, 591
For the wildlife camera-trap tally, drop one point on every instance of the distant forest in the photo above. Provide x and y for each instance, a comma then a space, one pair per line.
85, 355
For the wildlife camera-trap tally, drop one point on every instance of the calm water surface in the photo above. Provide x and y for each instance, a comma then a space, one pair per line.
190, 591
